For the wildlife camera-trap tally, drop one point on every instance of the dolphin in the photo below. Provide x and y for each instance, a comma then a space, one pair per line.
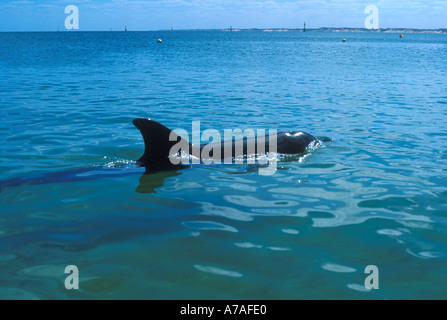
156, 158
159, 141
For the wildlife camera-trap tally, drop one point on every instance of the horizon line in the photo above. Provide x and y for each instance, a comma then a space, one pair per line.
233, 29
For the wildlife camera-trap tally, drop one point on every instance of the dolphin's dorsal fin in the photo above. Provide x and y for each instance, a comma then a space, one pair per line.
157, 144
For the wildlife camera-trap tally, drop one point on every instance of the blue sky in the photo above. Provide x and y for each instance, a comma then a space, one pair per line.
48, 15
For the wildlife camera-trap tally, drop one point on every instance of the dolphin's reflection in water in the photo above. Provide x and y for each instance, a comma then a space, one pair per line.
151, 181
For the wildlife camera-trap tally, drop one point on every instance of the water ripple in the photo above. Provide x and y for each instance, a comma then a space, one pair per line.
208, 225
337, 268
71, 191
218, 271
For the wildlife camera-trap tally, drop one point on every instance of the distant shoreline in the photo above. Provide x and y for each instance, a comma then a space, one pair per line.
326, 29
322, 29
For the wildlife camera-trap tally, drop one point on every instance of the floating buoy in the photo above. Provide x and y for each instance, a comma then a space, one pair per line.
401, 36
159, 41
344, 40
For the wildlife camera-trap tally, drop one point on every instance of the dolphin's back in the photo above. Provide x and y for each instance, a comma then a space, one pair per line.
159, 140
293, 142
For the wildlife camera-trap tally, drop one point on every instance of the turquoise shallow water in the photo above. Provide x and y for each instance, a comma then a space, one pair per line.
71, 193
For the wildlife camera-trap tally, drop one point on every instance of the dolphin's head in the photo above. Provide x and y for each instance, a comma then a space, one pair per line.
293, 142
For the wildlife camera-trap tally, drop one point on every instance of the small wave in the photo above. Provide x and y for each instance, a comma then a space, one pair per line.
337, 268
218, 271
119, 163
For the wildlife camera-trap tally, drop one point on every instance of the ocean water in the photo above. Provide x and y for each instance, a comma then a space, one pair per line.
71, 193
